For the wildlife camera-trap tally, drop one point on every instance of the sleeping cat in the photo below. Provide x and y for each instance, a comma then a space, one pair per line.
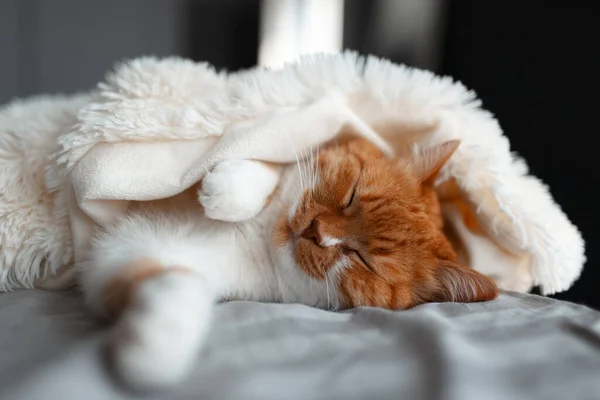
349, 227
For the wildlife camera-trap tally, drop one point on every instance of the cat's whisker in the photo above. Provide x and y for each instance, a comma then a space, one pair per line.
328, 291
307, 168
305, 171
311, 164
312, 167
307, 281
298, 192
333, 305
300, 175
316, 164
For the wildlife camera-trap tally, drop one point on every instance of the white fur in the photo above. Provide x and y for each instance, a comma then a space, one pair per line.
329, 241
149, 106
156, 340
236, 190
169, 101
35, 235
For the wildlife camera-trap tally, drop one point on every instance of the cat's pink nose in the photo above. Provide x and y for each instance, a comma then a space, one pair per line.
313, 232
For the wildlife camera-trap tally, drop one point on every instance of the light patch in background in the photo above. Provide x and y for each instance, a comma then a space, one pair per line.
290, 28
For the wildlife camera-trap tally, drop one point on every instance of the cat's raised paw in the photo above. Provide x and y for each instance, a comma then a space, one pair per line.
237, 190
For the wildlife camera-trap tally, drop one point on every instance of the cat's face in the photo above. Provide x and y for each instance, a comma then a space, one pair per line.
370, 229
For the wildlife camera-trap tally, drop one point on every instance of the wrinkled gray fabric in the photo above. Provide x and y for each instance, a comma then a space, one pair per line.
517, 347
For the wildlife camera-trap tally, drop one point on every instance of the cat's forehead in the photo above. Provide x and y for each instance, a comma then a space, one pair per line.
345, 161
376, 179
357, 155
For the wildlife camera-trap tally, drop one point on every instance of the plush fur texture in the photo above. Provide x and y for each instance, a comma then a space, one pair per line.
176, 110
349, 227
35, 234
65, 198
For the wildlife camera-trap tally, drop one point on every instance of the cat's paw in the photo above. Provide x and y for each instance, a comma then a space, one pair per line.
237, 190
156, 341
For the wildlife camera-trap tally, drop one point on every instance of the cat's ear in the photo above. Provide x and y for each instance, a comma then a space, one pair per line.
462, 284
427, 162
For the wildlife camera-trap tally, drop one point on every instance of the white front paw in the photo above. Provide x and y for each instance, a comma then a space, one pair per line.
237, 190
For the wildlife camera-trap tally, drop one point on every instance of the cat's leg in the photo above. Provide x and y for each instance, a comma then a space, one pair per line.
159, 334
143, 274
237, 190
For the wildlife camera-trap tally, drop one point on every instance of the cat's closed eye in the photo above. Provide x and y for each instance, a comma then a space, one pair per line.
350, 201
358, 254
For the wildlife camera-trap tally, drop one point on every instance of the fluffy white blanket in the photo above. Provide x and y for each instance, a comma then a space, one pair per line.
154, 127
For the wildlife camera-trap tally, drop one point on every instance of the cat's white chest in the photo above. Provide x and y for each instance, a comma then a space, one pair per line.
239, 255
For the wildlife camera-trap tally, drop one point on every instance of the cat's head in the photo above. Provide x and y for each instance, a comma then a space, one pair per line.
368, 230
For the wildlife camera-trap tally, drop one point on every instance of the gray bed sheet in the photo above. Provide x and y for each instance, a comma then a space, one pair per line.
517, 347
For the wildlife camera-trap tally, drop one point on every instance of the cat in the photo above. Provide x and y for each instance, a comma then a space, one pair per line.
347, 227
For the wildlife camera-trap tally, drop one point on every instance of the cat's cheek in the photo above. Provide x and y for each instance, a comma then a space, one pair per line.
315, 261
307, 261
359, 288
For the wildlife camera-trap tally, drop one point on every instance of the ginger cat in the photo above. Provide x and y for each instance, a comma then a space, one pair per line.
348, 227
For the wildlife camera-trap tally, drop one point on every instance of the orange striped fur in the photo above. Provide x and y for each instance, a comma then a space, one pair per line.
383, 216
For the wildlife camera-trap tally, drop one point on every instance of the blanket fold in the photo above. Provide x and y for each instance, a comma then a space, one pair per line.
155, 126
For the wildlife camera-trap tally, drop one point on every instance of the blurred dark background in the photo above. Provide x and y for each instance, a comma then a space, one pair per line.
533, 63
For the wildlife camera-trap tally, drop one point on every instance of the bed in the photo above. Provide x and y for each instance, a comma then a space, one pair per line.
516, 347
